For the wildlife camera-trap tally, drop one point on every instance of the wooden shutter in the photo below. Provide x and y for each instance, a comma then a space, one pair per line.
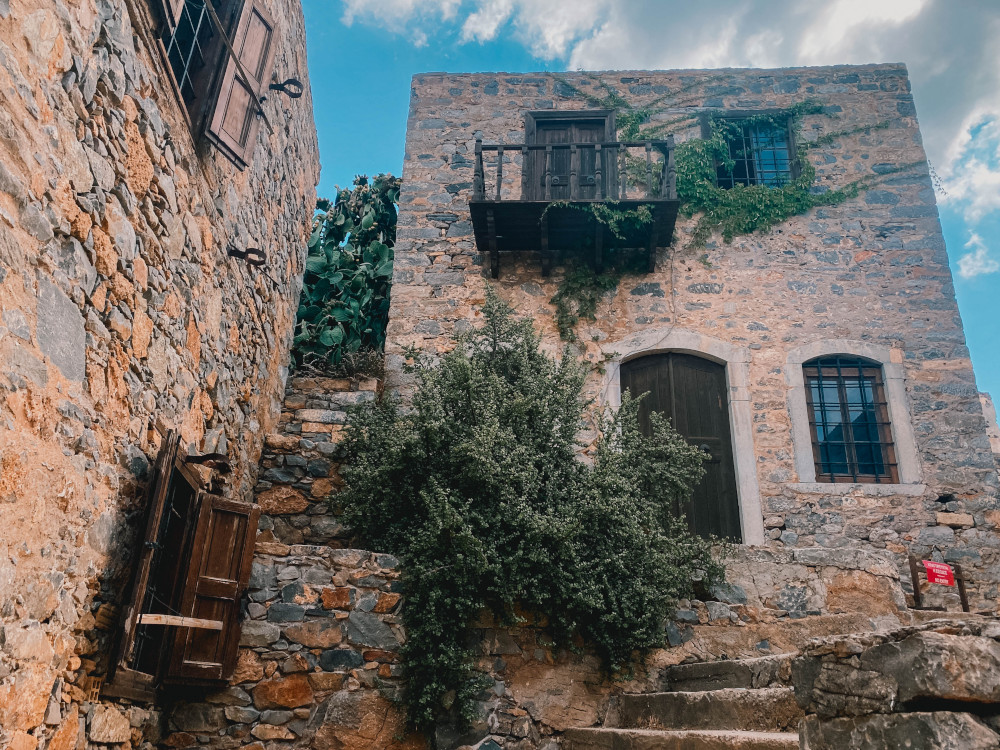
155, 499
218, 573
234, 121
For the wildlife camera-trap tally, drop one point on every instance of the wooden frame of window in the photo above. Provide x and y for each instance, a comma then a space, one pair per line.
849, 421
736, 115
192, 567
220, 99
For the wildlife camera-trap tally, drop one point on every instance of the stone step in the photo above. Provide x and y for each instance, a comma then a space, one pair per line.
761, 672
652, 739
761, 710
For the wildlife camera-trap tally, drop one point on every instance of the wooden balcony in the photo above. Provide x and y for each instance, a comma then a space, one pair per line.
557, 180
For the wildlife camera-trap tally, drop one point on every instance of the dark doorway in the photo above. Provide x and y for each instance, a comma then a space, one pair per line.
692, 392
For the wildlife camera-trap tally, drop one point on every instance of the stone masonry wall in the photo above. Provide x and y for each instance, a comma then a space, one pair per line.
319, 662
300, 463
121, 316
924, 687
872, 271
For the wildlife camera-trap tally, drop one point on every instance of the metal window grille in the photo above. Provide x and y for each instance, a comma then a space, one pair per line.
762, 154
849, 419
186, 45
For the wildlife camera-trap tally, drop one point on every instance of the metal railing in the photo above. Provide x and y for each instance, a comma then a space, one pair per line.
607, 156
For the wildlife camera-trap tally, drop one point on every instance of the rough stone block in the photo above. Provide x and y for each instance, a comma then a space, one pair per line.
282, 499
109, 725
320, 633
368, 630
286, 692
60, 331
940, 666
198, 717
956, 520
259, 633
916, 731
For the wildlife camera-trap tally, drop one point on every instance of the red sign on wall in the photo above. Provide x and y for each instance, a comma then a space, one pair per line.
939, 573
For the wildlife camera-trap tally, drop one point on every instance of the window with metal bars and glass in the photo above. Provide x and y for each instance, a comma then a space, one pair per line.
189, 44
849, 421
762, 154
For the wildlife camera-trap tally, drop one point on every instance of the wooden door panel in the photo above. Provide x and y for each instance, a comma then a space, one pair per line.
692, 393
221, 556
555, 132
586, 129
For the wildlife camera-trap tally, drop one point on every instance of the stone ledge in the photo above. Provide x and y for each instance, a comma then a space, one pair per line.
876, 490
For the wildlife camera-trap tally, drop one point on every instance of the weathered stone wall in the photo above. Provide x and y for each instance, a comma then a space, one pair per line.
871, 274
319, 663
301, 461
929, 686
121, 316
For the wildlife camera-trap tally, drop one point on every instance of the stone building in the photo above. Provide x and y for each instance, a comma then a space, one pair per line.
763, 348
155, 190
147, 170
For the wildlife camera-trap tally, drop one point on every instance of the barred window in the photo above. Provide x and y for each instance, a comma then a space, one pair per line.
222, 97
762, 153
849, 420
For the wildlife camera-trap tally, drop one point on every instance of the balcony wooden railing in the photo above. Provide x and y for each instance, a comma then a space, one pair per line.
572, 173
608, 159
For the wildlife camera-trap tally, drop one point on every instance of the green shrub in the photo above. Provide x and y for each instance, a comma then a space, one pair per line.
478, 486
344, 305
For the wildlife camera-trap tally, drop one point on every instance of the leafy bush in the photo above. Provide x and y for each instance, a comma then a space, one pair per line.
344, 305
479, 488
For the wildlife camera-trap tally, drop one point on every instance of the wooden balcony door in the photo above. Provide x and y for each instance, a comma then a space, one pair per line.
692, 393
544, 128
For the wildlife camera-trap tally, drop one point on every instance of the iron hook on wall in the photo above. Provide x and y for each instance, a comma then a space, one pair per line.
252, 255
291, 87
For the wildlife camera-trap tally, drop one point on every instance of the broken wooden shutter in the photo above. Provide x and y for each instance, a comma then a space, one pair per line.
218, 573
155, 499
234, 121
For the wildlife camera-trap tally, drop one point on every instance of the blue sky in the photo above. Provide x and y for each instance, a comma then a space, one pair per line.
363, 52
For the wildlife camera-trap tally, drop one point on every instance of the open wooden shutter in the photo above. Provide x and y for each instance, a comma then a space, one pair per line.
219, 571
234, 121
155, 499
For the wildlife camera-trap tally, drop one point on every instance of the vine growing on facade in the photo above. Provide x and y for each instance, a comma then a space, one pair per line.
741, 209
344, 307
727, 212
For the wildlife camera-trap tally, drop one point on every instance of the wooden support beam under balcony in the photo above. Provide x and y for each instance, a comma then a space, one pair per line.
559, 186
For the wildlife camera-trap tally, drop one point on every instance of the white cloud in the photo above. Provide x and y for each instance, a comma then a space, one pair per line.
951, 48
971, 180
409, 18
978, 261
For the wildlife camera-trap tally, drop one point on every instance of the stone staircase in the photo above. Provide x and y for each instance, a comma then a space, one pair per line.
742, 704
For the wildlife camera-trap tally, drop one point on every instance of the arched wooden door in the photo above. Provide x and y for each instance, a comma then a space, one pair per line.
692, 392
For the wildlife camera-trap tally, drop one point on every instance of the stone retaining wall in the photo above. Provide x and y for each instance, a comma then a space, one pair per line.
319, 661
299, 466
926, 687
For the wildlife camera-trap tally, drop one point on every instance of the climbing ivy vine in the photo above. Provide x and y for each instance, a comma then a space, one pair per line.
728, 212
579, 292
